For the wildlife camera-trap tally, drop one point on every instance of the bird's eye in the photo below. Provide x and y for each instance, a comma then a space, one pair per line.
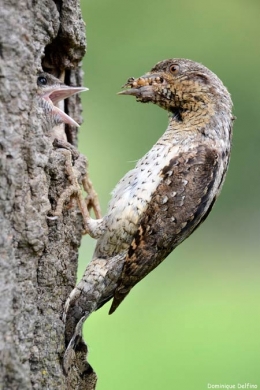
174, 68
41, 80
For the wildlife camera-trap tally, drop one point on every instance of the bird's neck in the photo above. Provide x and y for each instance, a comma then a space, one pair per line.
207, 122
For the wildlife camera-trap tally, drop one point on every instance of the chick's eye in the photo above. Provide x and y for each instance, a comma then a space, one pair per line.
174, 68
41, 80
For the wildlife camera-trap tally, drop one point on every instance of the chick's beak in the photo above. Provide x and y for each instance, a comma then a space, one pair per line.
62, 92
54, 94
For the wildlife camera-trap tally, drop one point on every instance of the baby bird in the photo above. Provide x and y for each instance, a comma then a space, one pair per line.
50, 92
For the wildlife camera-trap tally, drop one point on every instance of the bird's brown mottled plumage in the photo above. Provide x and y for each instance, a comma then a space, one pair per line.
175, 210
172, 189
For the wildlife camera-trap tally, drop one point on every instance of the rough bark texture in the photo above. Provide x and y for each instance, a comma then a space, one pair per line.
38, 257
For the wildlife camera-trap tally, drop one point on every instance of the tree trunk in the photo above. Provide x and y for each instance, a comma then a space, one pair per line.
38, 258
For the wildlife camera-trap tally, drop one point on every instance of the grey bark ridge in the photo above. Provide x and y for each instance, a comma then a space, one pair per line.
38, 257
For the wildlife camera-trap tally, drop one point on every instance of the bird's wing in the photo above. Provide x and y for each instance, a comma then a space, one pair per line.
180, 203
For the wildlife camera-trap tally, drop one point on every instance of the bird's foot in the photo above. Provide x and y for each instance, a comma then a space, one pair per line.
92, 201
73, 159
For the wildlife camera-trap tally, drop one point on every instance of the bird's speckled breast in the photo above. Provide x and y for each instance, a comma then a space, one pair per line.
130, 198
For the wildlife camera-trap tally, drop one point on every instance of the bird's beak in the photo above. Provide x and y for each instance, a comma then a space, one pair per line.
143, 88
54, 94
62, 92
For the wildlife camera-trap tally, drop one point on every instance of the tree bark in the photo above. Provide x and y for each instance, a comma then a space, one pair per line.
38, 256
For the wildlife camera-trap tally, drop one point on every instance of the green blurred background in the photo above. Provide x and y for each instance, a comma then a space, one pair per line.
194, 321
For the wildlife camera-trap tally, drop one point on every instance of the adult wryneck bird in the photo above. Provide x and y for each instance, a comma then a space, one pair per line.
168, 194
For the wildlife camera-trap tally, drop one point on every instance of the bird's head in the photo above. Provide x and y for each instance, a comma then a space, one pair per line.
51, 91
178, 85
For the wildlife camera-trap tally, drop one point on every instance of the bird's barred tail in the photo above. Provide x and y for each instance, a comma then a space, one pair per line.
95, 288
